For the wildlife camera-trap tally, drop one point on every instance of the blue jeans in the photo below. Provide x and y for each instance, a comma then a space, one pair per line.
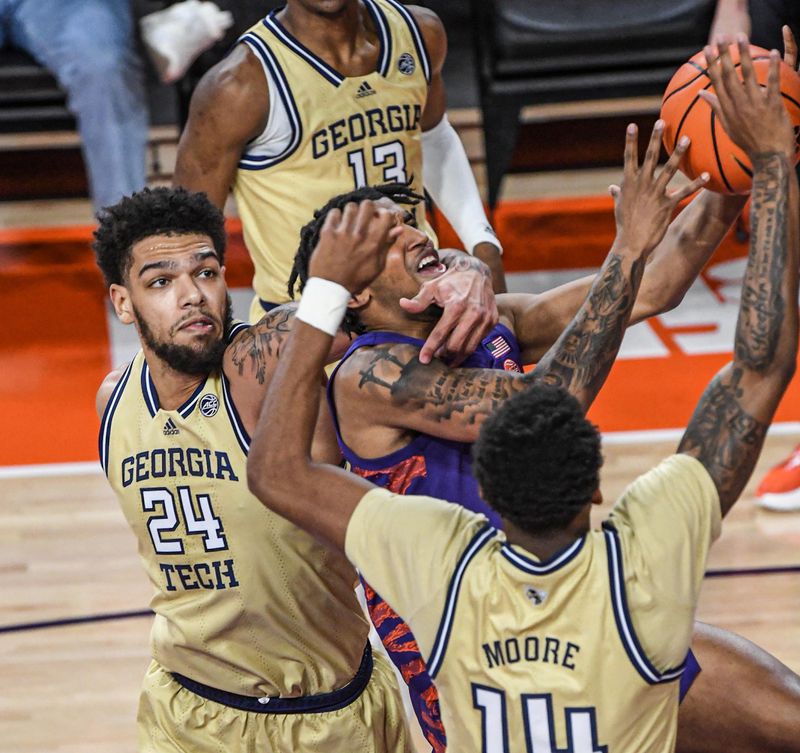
88, 45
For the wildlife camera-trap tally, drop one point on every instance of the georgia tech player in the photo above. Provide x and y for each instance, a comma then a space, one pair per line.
553, 634
320, 97
258, 641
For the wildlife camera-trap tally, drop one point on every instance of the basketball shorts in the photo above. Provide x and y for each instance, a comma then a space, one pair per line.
174, 719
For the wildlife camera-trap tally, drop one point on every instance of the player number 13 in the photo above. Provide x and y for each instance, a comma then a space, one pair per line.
537, 716
391, 156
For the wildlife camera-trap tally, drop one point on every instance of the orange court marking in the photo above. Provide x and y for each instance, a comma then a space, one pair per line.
55, 343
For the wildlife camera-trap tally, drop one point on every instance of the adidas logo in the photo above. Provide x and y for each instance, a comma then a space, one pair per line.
170, 430
364, 90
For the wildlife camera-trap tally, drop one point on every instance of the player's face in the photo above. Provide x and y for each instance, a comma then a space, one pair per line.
411, 261
176, 295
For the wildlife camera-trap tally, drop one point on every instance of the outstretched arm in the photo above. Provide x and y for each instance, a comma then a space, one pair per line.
389, 381
673, 266
728, 427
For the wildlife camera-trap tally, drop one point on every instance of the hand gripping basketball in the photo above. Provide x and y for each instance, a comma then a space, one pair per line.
754, 118
687, 111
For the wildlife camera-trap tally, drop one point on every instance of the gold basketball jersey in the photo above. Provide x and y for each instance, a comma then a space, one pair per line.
245, 602
345, 133
542, 656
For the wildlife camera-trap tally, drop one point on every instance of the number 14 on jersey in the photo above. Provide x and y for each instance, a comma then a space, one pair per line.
537, 719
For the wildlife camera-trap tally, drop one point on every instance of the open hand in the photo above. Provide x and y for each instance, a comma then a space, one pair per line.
353, 244
465, 294
644, 205
753, 117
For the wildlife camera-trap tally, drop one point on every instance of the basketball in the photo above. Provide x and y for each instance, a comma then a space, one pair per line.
685, 113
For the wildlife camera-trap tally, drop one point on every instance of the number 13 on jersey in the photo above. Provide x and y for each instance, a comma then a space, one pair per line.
389, 157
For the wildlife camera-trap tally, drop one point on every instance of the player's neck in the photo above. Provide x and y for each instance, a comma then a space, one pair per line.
345, 41
546, 545
410, 328
173, 387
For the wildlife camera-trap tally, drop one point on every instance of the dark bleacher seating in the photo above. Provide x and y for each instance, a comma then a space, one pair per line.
551, 51
30, 99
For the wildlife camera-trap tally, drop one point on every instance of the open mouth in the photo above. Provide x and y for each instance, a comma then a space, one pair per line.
429, 264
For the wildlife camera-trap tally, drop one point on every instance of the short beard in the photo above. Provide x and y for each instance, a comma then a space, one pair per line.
184, 358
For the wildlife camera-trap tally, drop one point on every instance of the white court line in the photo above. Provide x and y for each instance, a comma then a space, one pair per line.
649, 436
50, 469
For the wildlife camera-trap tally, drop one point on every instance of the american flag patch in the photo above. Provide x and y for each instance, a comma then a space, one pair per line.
498, 347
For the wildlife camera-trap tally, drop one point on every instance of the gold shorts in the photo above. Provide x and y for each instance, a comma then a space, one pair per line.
173, 719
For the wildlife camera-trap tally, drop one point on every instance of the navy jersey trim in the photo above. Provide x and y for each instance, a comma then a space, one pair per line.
434, 663
416, 35
255, 161
622, 615
242, 437
104, 437
277, 28
382, 27
543, 567
236, 329
316, 704
150, 395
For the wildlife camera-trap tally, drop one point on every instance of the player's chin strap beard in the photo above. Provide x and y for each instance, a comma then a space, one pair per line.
184, 358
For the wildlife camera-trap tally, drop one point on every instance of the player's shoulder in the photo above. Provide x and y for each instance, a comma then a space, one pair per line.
378, 363
238, 79
432, 29
254, 349
107, 387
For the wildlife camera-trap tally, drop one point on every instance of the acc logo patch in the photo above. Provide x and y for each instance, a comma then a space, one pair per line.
535, 596
406, 64
209, 405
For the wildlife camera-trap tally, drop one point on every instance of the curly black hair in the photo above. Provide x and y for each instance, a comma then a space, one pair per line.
538, 459
152, 211
309, 236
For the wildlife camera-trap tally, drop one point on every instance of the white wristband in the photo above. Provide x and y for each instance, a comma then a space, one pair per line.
323, 304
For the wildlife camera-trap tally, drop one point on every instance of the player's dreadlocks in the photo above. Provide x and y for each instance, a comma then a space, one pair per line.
537, 459
152, 211
309, 235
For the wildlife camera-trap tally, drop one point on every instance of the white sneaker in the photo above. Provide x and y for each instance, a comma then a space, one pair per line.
176, 36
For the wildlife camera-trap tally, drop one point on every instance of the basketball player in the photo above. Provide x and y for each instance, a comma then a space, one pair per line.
320, 97
407, 427
553, 634
258, 641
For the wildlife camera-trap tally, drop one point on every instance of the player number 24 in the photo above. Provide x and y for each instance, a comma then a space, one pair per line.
390, 156
537, 716
205, 523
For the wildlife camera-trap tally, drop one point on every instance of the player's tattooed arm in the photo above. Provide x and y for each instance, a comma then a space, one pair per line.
729, 424
254, 349
582, 357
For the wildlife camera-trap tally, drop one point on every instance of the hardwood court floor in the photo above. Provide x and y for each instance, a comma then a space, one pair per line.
66, 552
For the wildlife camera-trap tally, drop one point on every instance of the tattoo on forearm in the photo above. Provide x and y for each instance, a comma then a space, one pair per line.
256, 345
723, 436
763, 305
442, 392
582, 357
579, 361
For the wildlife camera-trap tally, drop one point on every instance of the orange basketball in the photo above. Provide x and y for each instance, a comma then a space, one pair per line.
711, 151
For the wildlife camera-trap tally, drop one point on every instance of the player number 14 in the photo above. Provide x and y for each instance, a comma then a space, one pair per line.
537, 716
